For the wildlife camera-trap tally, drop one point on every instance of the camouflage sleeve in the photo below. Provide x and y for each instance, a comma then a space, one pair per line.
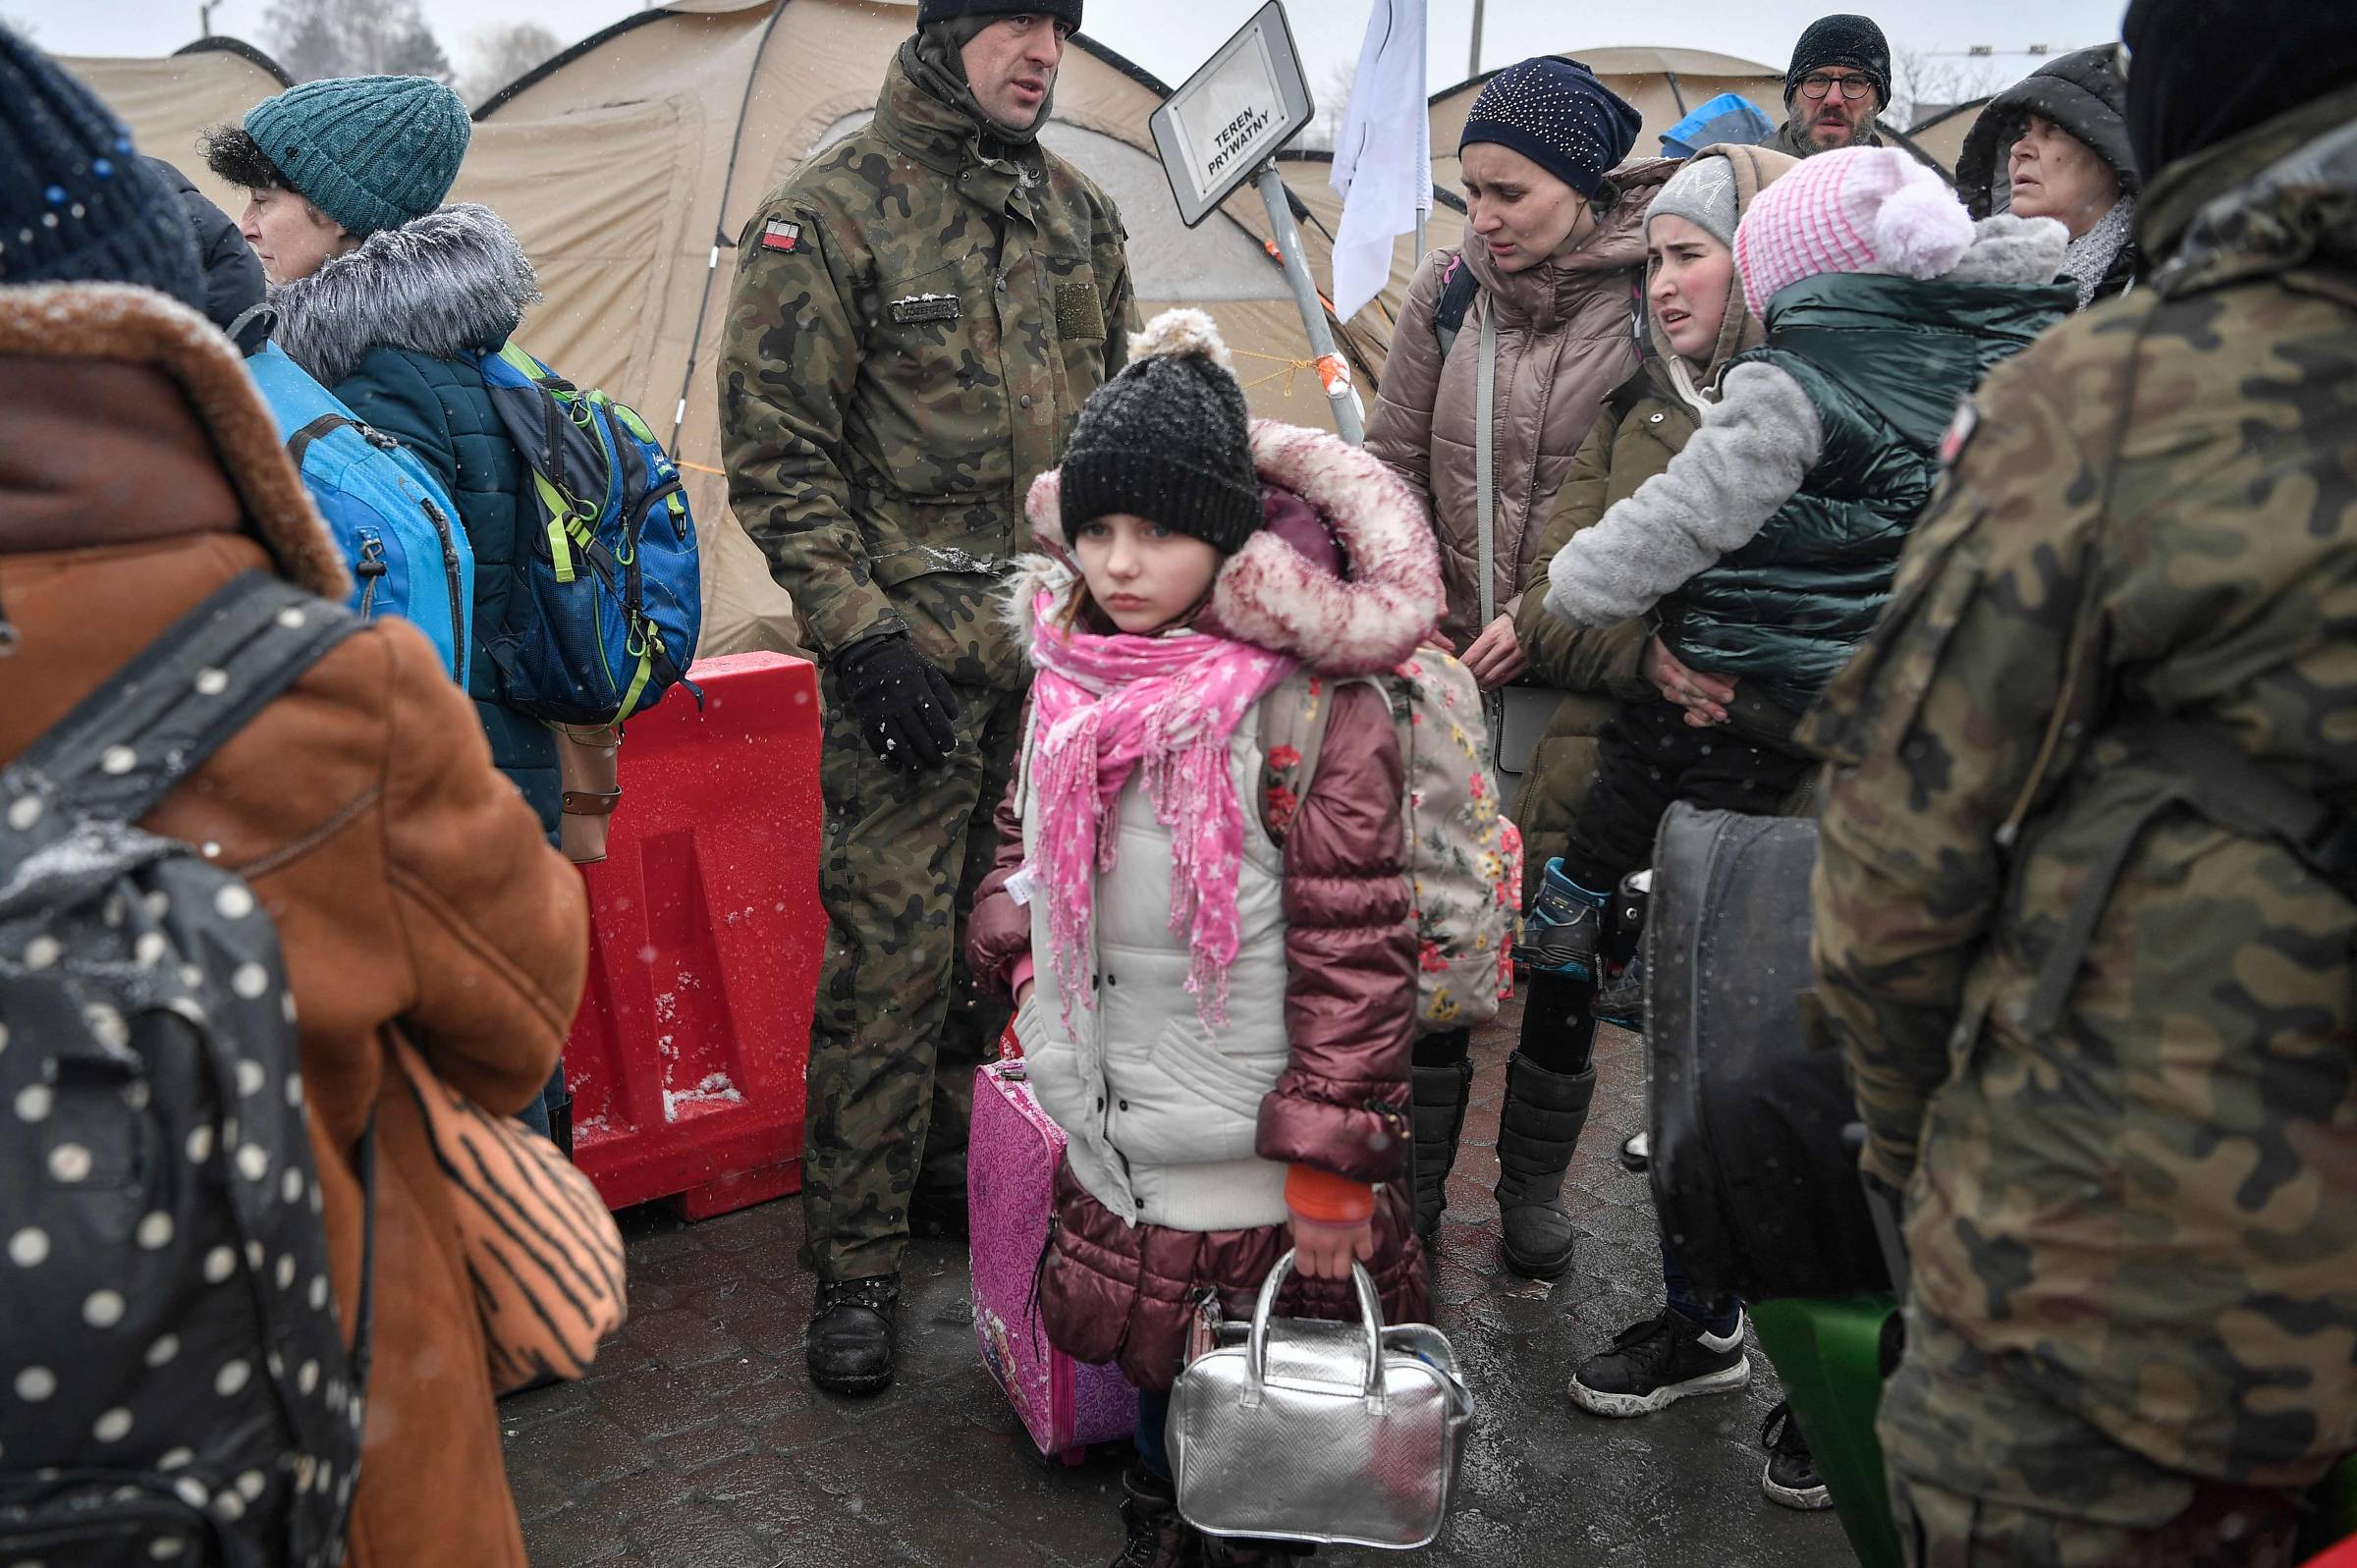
1119, 294
1563, 655
790, 363
1935, 730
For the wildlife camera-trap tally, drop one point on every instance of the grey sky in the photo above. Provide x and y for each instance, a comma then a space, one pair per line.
1171, 37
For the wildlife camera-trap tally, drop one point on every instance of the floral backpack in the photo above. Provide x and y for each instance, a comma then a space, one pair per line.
1465, 857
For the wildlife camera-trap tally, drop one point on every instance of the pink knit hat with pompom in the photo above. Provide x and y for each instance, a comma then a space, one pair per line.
1860, 209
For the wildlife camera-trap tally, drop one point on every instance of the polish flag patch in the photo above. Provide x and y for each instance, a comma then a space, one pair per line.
778, 235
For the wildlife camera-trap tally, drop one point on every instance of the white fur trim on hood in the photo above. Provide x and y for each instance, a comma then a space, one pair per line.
448, 284
1270, 595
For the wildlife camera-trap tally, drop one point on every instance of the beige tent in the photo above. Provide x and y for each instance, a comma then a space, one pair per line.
169, 102
629, 163
1664, 85
1942, 137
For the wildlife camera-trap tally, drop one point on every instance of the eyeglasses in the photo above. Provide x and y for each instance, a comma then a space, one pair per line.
1816, 84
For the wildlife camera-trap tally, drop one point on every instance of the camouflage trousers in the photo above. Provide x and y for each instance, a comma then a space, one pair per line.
899, 1029
1986, 1472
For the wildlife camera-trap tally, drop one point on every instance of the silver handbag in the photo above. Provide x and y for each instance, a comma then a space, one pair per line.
1343, 1433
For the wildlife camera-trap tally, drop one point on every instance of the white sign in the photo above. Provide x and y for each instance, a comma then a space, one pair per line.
1231, 116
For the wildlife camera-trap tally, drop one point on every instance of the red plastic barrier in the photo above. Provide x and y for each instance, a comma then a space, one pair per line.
686, 1061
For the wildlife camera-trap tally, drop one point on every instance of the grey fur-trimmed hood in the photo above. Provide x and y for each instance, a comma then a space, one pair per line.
452, 283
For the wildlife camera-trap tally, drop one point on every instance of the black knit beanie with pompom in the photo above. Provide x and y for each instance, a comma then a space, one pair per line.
1167, 440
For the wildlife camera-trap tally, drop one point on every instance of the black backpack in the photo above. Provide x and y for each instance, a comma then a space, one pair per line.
173, 1376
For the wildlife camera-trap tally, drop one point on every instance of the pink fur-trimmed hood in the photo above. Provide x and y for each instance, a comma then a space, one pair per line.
1270, 594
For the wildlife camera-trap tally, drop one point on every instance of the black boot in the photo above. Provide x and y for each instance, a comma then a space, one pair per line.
849, 1345
1153, 1536
1537, 1132
1439, 1110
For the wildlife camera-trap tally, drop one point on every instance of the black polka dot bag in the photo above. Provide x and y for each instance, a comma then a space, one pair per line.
174, 1382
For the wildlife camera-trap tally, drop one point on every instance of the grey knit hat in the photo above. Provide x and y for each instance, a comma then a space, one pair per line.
1703, 193
1169, 440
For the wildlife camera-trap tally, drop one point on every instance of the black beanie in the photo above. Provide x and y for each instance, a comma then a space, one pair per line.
1842, 40
1169, 440
1067, 12
78, 205
2200, 72
1556, 113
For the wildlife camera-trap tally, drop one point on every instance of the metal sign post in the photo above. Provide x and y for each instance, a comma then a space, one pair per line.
1224, 126
1348, 418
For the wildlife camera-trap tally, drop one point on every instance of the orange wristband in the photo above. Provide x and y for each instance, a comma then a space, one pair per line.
1326, 1198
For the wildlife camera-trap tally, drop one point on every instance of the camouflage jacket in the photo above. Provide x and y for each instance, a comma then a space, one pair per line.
914, 328
2138, 1184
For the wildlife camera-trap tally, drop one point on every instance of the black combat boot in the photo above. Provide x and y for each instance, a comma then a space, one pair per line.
1537, 1132
849, 1344
1439, 1109
1153, 1536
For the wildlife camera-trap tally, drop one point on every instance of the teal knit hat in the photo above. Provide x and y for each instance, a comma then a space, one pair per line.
371, 152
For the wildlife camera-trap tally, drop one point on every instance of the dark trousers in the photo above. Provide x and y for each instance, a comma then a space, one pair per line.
1650, 758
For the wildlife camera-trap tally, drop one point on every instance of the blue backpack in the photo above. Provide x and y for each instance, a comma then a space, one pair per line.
395, 523
608, 602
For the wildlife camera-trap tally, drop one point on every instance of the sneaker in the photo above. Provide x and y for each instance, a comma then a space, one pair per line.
1563, 928
1654, 1363
1790, 1478
1621, 1000
1636, 1151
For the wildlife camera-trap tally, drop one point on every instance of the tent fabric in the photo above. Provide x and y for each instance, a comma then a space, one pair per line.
169, 102
804, 73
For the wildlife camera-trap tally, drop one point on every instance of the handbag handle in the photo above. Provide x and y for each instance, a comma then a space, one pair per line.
1370, 1311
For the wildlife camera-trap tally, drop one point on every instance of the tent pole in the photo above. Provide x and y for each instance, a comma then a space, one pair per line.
1339, 397
1473, 66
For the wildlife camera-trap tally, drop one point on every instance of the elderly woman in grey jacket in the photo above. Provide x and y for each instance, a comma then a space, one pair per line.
1547, 281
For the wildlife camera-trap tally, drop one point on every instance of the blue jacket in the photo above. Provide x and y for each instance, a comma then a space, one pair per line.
393, 329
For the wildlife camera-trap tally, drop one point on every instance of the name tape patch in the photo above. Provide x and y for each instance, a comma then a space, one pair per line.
778, 235
926, 307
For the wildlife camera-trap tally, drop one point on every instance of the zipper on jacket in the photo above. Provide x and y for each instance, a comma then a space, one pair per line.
450, 573
371, 571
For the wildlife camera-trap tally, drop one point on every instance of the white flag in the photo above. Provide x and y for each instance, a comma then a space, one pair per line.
1383, 160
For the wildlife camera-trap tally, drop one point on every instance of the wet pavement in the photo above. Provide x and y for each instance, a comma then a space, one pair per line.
698, 1443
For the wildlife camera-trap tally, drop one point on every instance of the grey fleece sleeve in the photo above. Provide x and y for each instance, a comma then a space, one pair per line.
1754, 447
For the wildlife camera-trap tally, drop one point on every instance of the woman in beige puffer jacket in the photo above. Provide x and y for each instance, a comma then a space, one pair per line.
1555, 241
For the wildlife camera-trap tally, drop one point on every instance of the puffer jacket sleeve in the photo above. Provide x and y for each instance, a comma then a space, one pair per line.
1350, 957
1399, 430
494, 924
998, 931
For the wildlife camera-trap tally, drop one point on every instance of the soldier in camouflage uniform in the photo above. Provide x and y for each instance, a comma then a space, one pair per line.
919, 312
2096, 1002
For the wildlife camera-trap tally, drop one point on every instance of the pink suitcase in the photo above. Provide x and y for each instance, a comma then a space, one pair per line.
1010, 1192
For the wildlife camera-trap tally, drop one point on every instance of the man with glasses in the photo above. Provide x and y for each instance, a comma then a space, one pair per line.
1839, 80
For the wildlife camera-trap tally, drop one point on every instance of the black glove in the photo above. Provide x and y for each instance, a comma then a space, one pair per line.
906, 709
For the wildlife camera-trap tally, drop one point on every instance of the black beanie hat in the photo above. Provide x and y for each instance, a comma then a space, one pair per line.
1169, 440
1841, 40
2200, 73
77, 203
1556, 113
1067, 12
